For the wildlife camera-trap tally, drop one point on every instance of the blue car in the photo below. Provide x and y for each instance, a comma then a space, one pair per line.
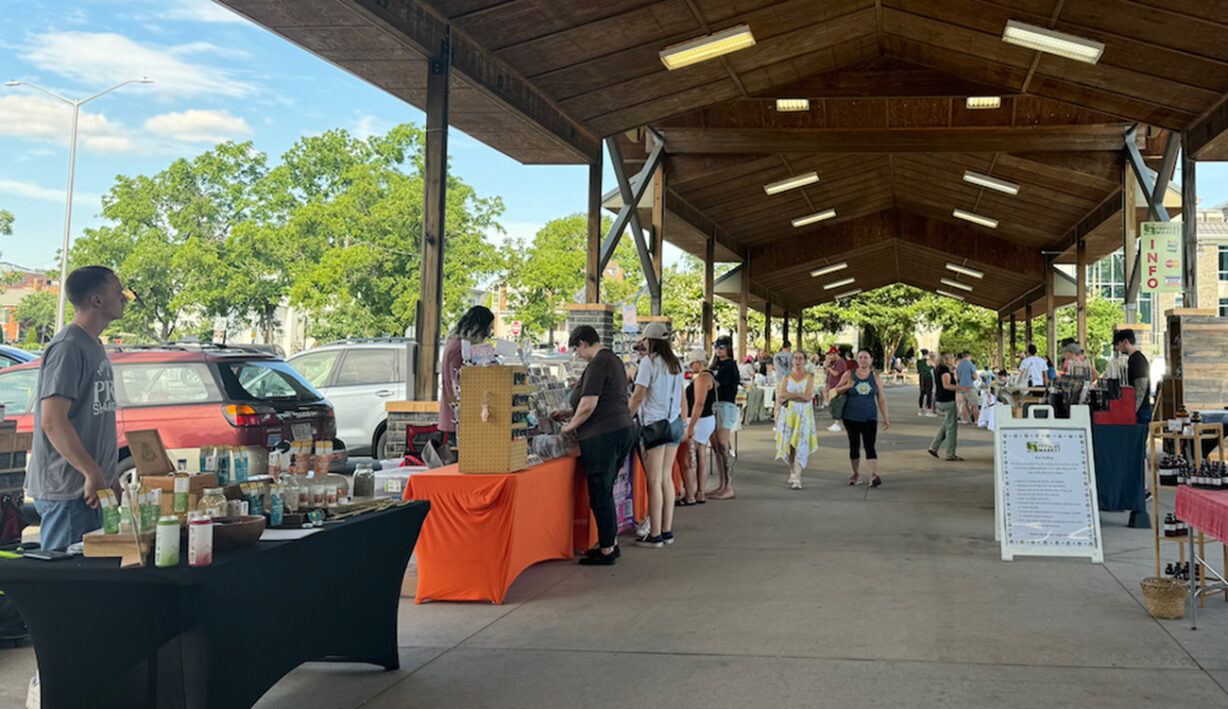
10, 356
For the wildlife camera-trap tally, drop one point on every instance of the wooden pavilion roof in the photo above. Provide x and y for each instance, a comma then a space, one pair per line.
543, 81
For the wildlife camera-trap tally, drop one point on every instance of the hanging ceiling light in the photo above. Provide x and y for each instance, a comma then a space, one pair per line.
792, 105
792, 183
847, 294
980, 103
839, 283
707, 47
954, 284
812, 218
965, 270
949, 294
974, 218
1043, 39
992, 183
828, 269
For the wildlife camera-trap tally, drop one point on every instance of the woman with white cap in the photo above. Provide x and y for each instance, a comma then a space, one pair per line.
658, 400
700, 425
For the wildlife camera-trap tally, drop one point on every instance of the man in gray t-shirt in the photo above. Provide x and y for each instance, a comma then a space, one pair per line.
783, 360
75, 450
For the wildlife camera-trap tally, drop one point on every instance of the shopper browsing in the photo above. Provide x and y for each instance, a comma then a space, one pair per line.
475, 326
783, 361
75, 453
835, 369
728, 417
1138, 373
965, 371
948, 433
795, 435
602, 424
925, 383
658, 401
1034, 368
865, 402
700, 426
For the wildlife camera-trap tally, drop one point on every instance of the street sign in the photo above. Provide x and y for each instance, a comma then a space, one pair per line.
515, 328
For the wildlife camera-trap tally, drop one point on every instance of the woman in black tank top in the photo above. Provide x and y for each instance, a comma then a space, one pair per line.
700, 425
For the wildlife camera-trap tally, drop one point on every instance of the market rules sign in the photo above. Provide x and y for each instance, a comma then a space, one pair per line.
1045, 486
1161, 242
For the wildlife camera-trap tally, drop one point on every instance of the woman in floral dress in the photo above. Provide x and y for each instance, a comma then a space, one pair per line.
795, 435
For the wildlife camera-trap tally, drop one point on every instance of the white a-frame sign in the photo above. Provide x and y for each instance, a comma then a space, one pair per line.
1045, 486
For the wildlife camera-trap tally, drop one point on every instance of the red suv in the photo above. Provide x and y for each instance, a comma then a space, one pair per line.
196, 396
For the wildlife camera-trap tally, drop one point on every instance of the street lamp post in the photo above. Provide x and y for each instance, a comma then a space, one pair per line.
72, 168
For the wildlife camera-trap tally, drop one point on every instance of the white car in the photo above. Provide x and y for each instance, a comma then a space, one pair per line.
359, 376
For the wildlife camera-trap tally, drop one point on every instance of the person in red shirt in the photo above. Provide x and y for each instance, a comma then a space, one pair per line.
835, 368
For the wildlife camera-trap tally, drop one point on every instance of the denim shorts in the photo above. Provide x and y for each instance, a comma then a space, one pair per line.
65, 521
728, 416
675, 435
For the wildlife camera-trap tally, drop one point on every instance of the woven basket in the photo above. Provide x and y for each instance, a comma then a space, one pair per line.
1165, 598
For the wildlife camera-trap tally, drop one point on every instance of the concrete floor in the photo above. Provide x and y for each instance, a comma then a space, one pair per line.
830, 596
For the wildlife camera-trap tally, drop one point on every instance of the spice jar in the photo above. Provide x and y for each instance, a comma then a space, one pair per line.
364, 481
213, 503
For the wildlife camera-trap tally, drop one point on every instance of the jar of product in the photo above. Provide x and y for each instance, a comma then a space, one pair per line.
319, 495
213, 503
166, 542
200, 542
290, 495
364, 481
338, 488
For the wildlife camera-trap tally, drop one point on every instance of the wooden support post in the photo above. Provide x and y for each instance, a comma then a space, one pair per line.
1129, 244
1027, 326
434, 207
658, 233
1189, 230
800, 332
1081, 294
1014, 360
1001, 345
744, 308
784, 327
592, 276
709, 322
767, 327
1050, 315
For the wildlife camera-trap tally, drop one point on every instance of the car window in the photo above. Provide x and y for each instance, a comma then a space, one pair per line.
256, 380
368, 366
17, 390
315, 366
164, 383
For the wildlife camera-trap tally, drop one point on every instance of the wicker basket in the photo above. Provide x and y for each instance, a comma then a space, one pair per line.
1165, 597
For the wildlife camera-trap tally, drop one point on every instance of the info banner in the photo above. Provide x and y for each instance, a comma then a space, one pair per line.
1161, 254
1045, 484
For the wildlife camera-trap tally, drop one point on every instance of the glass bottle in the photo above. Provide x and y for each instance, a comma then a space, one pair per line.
364, 481
213, 503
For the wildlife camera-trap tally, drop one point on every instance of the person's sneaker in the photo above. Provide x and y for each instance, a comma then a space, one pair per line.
920, 413
596, 551
600, 559
667, 537
650, 542
834, 427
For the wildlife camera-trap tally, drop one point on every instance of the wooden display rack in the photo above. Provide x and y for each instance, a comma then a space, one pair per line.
491, 445
1158, 432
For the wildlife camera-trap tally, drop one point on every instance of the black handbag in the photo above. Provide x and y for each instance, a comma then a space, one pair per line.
658, 433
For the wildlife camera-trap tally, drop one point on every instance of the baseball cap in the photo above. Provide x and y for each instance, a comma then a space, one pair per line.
1073, 348
696, 356
655, 331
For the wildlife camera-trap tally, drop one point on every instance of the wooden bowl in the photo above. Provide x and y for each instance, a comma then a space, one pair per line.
237, 532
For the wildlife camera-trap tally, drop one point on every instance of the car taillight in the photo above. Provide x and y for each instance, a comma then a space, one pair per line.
247, 415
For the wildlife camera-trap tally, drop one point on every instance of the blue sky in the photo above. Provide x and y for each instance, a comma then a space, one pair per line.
216, 77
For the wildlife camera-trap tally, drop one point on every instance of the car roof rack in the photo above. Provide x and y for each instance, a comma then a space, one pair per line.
368, 341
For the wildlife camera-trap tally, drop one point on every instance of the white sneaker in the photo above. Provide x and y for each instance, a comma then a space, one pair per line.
34, 693
796, 486
834, 427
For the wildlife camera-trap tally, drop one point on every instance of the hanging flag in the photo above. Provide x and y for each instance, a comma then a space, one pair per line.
1161, 254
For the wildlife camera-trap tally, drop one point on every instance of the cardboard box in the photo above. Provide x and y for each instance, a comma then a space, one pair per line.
149, 454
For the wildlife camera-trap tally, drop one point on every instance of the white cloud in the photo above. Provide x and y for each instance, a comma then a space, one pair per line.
29, 190
200, 11
367, 125
195, 126
45, 119
514, 231
102, 59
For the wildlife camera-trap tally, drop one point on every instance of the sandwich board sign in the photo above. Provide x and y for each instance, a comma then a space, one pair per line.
1045, 486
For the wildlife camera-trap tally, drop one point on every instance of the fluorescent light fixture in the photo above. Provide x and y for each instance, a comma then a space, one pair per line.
812, 218
792, 105
954, 284
839, 283
974, 218
792, 183
980, 103
707, 47
848, 293
992, 183
829, 269
965, 270
949, 294
1043, 39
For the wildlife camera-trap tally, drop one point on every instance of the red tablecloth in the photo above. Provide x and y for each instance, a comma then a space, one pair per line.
483, 530
1204, 510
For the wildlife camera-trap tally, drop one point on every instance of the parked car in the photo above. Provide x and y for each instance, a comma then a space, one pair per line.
10, 356
196, 396
359, 376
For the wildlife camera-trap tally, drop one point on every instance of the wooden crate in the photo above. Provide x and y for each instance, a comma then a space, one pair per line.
489, 446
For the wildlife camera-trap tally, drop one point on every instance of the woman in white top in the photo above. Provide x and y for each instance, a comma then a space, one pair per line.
658, 401
795, 435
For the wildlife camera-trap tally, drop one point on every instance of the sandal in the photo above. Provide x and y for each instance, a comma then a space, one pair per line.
954, 458
683, 502
876, 481
856, 478
932, 452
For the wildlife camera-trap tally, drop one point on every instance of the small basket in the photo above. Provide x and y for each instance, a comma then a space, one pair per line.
1165, 598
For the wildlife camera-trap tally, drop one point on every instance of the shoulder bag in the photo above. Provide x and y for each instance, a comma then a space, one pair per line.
658, 433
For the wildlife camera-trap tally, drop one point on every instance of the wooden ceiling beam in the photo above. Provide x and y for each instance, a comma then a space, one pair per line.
896, 140
683, 169
1207, 137
417, 25
916, 82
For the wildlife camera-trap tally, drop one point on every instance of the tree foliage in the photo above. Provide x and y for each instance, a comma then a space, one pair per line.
6, 222
36, 313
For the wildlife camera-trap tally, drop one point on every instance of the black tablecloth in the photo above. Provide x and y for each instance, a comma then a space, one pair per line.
1119, 452
220, 635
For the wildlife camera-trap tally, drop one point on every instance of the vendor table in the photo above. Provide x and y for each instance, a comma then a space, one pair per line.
1119, 451
219, 635
484, 530
1207, 512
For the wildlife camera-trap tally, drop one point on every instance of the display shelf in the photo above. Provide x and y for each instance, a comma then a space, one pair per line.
489, 444
1157, 432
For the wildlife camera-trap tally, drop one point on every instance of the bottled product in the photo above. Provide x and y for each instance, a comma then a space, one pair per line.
290, 492
128, 518
364, 481
166, 543
275, 464
182, 487
1170, 525
200, 542
213, 503
223, 466
276, 495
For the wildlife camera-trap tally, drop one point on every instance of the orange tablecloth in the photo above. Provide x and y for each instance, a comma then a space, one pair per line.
483, 530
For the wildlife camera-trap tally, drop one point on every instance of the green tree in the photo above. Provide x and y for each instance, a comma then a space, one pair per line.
6, 222
545, 274
36, 314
